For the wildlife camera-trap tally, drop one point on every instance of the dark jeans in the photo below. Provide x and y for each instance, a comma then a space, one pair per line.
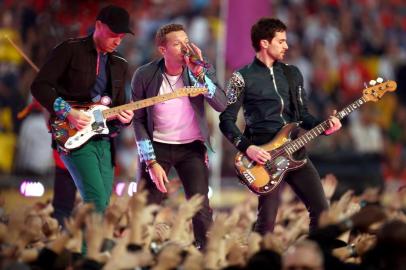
64, 195
189, 160
305, 182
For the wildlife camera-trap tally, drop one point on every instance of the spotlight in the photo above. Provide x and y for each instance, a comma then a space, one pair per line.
32, 189
132, 188
119, 188
210, 193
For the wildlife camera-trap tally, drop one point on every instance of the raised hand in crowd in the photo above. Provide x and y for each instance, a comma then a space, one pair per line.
186, 211
215, 253
235, 253
295, 229
254, 243
356, 248
162, 232
112, 216
136, 205
169, 257
126, 255
337, 210
194, 259
75, 242
94, 236
272, 242
329, 183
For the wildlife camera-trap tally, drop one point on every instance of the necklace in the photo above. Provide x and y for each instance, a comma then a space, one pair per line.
169, 82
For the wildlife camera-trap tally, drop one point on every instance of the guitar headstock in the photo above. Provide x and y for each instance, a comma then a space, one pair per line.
378, 89
191, 91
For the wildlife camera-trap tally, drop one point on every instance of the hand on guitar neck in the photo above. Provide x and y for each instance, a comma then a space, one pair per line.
334, 122
125, 116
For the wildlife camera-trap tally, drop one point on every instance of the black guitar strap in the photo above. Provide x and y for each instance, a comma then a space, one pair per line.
292, 89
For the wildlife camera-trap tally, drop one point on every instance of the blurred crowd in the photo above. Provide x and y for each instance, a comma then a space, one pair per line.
338, 45
365, 232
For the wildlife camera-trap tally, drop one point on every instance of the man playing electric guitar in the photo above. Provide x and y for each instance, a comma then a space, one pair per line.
86, 70
272, 96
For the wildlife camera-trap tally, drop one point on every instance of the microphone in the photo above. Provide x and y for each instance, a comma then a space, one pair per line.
194, 58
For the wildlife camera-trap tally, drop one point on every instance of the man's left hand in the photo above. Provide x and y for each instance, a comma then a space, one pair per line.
125, 116
334, 123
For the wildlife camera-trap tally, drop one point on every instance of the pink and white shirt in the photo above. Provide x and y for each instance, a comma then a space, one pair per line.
174, 120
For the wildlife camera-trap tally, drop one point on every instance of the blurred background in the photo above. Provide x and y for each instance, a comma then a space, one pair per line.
338, 45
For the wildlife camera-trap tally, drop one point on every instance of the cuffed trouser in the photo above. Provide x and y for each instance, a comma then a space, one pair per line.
91, 167
189, 160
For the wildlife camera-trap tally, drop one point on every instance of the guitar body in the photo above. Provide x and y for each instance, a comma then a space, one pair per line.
262, 179
70, 138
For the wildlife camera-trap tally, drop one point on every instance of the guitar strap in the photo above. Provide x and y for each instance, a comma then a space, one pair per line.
292, 89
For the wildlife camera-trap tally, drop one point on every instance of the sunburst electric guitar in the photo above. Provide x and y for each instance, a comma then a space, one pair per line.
70, 138
263, 179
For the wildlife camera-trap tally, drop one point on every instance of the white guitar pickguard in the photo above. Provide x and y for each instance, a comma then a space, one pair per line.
95, 127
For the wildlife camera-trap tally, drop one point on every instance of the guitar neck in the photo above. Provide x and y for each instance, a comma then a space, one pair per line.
307, 137
112, 112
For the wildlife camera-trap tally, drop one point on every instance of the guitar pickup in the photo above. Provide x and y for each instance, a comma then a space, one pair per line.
98, 124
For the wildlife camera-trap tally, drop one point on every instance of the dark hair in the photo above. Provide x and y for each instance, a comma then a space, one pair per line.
160, 37
265, 28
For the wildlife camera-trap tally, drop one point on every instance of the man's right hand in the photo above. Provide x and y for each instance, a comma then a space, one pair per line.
78, 119
158, 176
258, 154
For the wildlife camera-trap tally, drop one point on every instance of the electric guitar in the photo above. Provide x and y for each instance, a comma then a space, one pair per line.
263, 179
70, 138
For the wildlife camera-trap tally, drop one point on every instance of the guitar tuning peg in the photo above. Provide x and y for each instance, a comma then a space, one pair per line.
379, 80
372, 82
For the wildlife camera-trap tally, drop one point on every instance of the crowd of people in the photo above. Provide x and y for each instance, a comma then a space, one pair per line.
357, 232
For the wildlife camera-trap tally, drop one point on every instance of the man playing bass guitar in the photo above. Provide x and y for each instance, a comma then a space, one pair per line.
272, 96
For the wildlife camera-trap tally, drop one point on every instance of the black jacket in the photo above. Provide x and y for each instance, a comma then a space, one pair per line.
70, 73
268, 99
146, 83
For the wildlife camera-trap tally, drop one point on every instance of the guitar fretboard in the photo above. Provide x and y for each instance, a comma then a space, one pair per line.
298, 143
109, 113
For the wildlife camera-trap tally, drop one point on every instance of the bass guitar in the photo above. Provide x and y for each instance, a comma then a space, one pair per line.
263, 179
70, 138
